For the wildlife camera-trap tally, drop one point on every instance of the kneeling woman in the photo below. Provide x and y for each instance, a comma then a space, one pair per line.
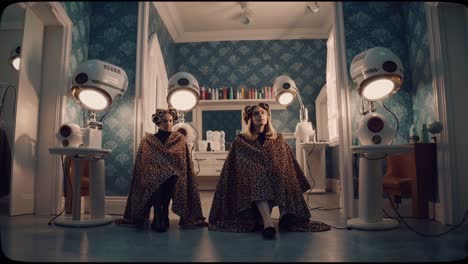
258, 174
163, 170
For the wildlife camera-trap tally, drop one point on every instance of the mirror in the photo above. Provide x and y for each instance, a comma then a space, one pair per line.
229, 121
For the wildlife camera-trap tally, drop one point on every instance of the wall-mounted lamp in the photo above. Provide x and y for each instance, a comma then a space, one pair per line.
245, 17
15, 58
378, 74
314, 7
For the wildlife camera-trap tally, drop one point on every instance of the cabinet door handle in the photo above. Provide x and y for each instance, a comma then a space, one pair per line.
200, 159
220, 159
218, 170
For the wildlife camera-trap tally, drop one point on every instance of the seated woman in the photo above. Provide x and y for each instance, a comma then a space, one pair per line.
163, 170
259, 173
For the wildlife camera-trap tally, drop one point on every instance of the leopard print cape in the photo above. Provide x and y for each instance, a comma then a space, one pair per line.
154, 164
254, 172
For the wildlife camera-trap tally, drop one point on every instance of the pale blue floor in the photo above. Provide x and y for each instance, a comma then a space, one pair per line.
29, 238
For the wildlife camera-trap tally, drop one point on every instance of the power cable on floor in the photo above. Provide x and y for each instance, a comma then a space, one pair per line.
319, 208
465, 217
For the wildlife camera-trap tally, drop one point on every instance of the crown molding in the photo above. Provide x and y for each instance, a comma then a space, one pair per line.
171, 18
254, 34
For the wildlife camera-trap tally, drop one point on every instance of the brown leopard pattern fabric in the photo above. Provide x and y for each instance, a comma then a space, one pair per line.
154, 164
254, 172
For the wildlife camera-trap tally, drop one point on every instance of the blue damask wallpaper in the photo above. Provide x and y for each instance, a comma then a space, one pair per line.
417, 44
79, 13
371, 24
256, 64
113, 39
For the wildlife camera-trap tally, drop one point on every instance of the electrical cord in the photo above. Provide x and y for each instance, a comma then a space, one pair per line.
319, 208
465, 217
195, 142
112, 107
396, 118
69, 182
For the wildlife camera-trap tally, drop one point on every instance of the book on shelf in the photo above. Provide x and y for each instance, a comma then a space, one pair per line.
240, 93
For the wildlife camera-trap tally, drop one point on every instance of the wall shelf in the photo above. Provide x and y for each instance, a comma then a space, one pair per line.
233, 104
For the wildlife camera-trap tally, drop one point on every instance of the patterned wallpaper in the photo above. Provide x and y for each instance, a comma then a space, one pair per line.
257, 64
109, 30
365, 28
113, 39
419, 62
79, 13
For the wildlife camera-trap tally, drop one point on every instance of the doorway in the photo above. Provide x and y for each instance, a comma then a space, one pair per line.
36, 176
192, 57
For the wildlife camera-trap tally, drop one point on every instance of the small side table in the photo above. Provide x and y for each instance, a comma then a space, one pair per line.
370, 186
96, 187
317, 165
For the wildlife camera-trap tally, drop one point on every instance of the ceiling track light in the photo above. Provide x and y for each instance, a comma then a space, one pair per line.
314, 7
245, 17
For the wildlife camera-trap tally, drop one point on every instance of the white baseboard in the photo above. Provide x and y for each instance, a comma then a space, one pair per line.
116, 204
333, 185
438, 211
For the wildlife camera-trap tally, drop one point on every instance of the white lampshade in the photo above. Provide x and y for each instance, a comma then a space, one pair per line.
377, 89
183, 99
183, 92
96, 84
285, 98
94, 99
15, 58
285, 89
377, 72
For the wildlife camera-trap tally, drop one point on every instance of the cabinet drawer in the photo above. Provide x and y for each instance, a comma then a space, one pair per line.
204, 169
217, 167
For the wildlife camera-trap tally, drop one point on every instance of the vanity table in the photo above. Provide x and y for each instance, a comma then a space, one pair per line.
96, 187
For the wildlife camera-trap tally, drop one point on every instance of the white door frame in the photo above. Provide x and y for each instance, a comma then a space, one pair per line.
345, 136
448, 169
49, 174
150, 62
344, 120
140, 76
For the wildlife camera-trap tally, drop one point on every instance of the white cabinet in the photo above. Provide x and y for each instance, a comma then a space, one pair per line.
209, 163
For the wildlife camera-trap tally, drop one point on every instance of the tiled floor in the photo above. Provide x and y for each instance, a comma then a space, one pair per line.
29, 238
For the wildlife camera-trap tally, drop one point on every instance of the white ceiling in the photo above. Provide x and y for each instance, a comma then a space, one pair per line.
217, 21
